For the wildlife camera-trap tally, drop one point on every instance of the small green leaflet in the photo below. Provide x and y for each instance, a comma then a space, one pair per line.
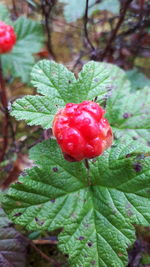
20, 60
59, 86
12, 244
96, 212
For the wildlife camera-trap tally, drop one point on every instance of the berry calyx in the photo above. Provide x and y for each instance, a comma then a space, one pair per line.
82, 131
7, 38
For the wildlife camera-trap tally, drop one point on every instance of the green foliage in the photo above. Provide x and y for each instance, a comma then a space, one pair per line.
20, 60
4, 14
36, 110
53, 80
12, 244
74, 10
96, 213
96, 208
138, 79
129, 113
59, 86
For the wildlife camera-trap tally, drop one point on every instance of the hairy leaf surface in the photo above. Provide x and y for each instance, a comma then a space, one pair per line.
36, 110
59, 86
96, 209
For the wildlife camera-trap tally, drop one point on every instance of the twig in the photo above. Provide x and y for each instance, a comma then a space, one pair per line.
114, 33
85, 27
4, 101
46, 241
77, 60
61, 23
145, 23
47, 7
14, 8
43, 255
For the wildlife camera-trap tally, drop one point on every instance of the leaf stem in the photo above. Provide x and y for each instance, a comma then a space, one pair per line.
86, 162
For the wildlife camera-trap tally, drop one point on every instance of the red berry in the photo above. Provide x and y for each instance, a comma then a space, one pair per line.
82, 131
7, 38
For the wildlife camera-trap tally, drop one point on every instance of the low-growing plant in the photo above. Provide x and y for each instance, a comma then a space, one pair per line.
18, 61
98, 204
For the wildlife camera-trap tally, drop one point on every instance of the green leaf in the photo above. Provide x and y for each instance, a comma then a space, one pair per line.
99, 80
59, 86
138, 80
12, 244
142, 135
29, 34
128, 112
96, 211
36, 110
20, 60
95, 80
4, 14
53, 80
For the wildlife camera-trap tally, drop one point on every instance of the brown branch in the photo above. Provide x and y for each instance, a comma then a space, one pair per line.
43, 255
145, 23
85, 19
46, 241
115, 31
14, 8
4, 102
47, 6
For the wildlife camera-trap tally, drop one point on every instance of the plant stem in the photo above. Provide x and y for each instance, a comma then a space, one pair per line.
47, 7
85, 27
14, 8
43, 255
3, 96
115, 31
88, 171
